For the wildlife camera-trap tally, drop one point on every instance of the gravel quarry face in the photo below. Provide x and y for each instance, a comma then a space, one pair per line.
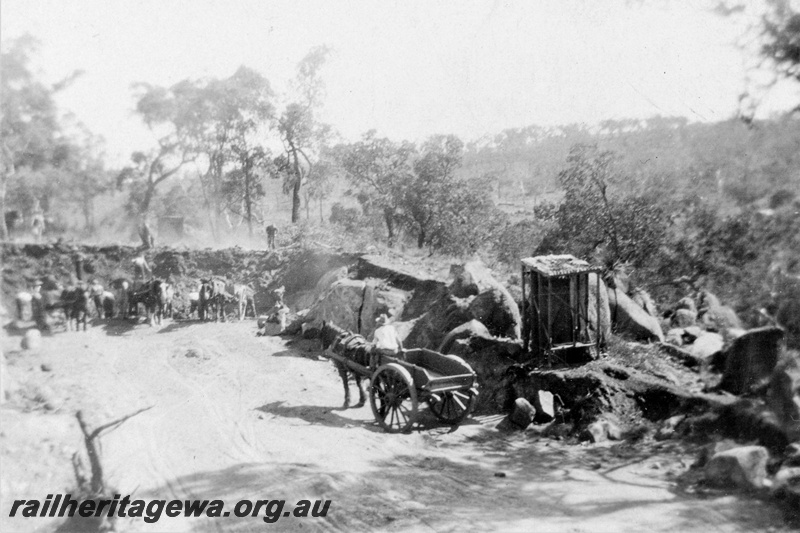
234, 416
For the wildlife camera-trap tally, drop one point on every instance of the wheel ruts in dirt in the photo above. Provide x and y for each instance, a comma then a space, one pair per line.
393, 398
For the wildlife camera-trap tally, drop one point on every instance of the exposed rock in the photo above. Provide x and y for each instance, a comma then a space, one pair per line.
719, 318
379, 299
605, 311
713, 315
341, 305
605, 428
752, 420
687, 304
473, 328
683, 318
787, 478
751, 359
632, 319
792, 454
592, 390
783, 393
669, 427
490, 358
744, 467
730, 334
439, 319
691, 333
545, 409
674, 337
523, 413
643, 299
328, 279
498, 312
705, 345
493, 304
680, 354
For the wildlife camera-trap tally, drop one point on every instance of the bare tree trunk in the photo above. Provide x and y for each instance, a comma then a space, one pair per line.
248, 200
388, 216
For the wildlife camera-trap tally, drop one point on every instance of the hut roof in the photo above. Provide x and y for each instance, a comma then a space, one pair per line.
558, 265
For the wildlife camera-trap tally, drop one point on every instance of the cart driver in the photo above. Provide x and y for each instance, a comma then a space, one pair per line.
386, 338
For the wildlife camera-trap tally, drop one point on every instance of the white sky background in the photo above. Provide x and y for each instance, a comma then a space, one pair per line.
406, 68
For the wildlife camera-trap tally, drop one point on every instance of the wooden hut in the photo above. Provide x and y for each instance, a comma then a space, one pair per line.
556, 302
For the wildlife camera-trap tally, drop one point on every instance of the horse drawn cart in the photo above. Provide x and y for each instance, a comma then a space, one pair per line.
398, 384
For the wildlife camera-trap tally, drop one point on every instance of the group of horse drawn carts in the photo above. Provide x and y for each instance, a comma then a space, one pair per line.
400, 383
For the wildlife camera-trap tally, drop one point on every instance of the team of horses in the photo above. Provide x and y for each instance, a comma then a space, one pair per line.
155, 297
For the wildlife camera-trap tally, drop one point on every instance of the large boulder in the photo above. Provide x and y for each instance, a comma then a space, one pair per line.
713, 315
430, 329
744, 467
340, 305
683, 318
783, 393
645, 301
471, 329
492, 304
633, 320
706, 345
379, 299
750, 360
496, 309
598, 285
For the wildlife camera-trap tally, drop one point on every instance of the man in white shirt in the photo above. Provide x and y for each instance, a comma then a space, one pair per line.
386, 339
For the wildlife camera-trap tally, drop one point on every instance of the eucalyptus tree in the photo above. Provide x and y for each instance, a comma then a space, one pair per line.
301, 134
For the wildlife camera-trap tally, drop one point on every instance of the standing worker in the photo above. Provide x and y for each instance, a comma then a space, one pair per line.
271, 232
96, 292
146, 235
140, 270
78, 259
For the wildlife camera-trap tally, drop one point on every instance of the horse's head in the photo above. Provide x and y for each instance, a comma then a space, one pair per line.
329, 333
206, 291
159, 290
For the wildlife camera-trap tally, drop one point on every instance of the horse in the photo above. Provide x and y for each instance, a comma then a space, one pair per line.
245, 298
76, 305
212, 298
169, 296
153, 296
351, 346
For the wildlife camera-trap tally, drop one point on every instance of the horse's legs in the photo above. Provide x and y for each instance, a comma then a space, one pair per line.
343, 374
362, 397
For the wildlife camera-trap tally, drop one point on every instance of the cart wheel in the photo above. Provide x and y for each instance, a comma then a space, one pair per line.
393, 398
453, 406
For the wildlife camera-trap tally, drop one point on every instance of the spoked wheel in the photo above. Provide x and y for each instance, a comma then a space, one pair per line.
452, 406
393, 398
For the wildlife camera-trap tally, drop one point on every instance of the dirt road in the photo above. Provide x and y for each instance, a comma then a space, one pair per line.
239, 417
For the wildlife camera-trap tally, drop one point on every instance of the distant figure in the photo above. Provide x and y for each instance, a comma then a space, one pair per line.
146, 235
78, 260
13, 220
96, 293
387, 340
37, 221
271, 232
141, 271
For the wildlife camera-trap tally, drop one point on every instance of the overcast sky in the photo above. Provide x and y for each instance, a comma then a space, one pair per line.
406, 68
